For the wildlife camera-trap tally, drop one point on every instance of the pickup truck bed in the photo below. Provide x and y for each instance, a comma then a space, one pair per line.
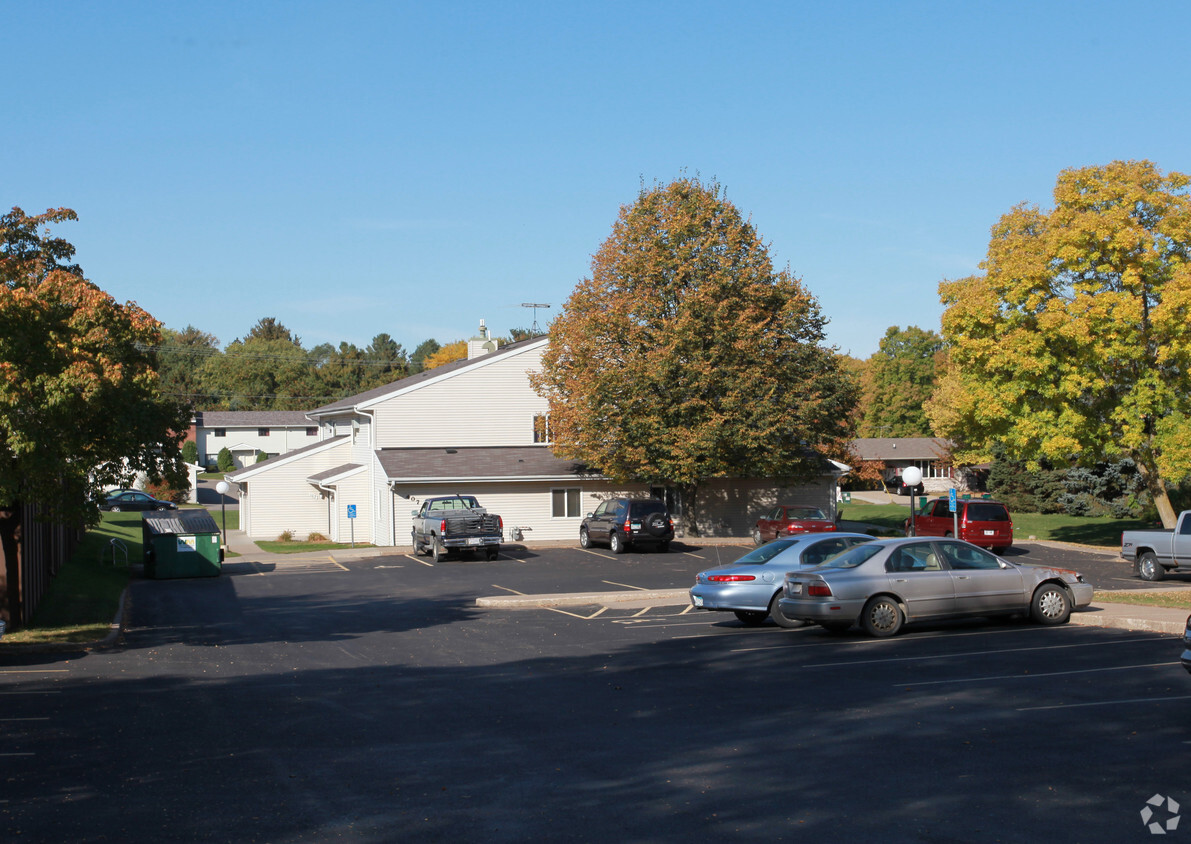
455, 523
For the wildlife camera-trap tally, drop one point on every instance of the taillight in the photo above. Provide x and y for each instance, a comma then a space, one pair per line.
729, 578
818, 590
442, 528
500, 523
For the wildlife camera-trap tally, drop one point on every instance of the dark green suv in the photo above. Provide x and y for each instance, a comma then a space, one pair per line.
625, 522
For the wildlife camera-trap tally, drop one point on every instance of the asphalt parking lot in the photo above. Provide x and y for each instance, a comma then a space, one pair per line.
372, 700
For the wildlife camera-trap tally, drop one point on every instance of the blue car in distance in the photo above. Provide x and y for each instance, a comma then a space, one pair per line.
751, 586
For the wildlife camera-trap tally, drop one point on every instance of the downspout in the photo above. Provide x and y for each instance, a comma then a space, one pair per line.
376, 517
333, 535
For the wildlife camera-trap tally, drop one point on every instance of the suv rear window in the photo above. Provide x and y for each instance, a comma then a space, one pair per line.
982, 511
641, 509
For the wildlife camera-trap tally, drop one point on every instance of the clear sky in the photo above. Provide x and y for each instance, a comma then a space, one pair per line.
354, 168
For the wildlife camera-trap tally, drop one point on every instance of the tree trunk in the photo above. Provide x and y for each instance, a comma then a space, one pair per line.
690, 512
10, 565
1157, 490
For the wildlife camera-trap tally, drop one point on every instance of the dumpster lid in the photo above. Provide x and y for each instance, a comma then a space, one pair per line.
172, 522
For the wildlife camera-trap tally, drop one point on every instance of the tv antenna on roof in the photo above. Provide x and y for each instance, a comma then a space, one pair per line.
536, 331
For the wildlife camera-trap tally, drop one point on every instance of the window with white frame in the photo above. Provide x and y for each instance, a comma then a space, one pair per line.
565, 503
933, 468
541, 428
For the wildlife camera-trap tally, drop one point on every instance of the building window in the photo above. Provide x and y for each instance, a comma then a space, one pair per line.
219, 432
565, 503
312, 432
933, 469
541, 428
262, 432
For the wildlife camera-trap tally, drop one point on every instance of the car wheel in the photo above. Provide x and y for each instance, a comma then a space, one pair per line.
115, 508
1148, 567
615, 543
437, 551
1050, 605
836, 626
1000, 549
493, 553
584, 538
751, 618
757, 536
882, 616
779, 617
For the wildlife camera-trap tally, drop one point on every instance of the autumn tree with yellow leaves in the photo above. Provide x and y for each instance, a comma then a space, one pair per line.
80, 404
687, 357
1075, 343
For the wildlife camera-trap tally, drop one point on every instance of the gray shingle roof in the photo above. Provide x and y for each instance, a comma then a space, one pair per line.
506, 462
901, 448
252, 419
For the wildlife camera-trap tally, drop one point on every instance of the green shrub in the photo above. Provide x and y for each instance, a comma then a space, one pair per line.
225, 461
190, 451
262, 456
286, 536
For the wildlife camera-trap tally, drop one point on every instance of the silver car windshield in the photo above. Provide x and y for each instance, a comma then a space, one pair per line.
853, 557
765, 553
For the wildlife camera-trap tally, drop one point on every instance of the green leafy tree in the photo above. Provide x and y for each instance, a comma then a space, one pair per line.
687, 357
81, 404
181, 358
267, 370
190, 451
900, 378
424, 350
1073, 345
224, 460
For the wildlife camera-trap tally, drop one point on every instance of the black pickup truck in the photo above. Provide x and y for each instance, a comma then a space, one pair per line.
455, 523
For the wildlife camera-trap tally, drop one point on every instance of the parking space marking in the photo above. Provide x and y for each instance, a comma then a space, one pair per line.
1036, 676
598, 612
597, 554
420, 560
4, 671
625, 585
977, 653
1104, 703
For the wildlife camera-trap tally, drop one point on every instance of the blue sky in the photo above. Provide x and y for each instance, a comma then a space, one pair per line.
356, 168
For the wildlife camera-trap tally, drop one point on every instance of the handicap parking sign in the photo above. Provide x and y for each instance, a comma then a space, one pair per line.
351, 511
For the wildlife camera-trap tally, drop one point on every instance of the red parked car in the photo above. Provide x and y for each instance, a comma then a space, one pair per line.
790, 519
981, 522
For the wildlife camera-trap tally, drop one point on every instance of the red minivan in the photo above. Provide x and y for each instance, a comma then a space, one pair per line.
981, 522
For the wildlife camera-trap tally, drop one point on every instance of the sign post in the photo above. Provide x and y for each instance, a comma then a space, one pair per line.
351, 519
954, 513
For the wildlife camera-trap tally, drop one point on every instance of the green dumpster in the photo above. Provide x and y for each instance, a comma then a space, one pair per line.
181, 543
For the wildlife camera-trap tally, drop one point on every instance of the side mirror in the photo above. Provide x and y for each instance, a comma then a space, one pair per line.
413, 513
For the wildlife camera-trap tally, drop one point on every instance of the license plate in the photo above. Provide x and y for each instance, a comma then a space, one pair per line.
990, 533
795, 588
475, 540
635, 526
698, 599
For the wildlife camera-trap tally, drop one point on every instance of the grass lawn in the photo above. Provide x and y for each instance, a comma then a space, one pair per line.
1100, 531
1179, 599
292, 547
83, 598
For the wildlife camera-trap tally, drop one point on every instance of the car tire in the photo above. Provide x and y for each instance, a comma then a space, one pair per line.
615, 543
1148, 567
751, 618
1050, 604
657, 524
757, 536
584, 538
779, 617
437, 551
882, 617
115, 508
1000, 549
493, 553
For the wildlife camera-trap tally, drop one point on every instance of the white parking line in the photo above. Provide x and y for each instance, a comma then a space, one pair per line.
597, 554
1035, 676
1104, 703
975, 653
625, 585
420, 560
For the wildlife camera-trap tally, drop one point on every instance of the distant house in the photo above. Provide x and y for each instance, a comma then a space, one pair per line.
472, 426
932, 455
249, 433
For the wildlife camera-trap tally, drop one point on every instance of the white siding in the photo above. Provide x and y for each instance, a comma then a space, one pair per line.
281, 440
491, 404
279, 498
353, 490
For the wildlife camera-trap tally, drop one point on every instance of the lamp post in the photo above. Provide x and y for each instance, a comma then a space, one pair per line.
222, 487
911, 477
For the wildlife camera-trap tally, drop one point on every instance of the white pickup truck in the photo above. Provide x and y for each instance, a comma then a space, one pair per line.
1156, 552
455, 523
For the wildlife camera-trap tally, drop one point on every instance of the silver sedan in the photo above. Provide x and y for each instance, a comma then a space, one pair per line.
889, 582
751, 586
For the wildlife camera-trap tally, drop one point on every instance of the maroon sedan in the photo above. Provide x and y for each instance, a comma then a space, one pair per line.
790, 519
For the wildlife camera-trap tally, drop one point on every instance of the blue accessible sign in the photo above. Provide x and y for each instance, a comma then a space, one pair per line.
351, 510
951, 500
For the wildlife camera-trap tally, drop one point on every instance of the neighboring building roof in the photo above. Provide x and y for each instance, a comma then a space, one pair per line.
901, 448
335, 474
426, 376
477, 463
248, 471
251, 418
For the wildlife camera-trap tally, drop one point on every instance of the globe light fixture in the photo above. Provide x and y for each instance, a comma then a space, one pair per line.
911, 477
222, 487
